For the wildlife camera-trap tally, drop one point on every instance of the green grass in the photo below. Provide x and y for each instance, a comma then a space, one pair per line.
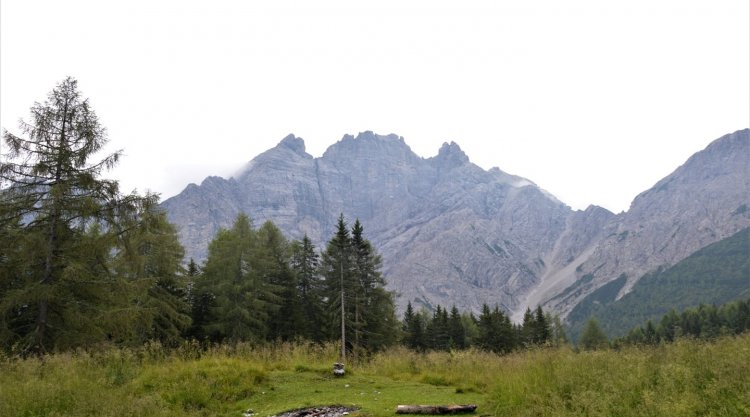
686, 378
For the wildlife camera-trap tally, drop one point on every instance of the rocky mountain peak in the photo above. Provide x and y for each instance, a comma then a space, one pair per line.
294, 143
369, 135
451, 232
369, 145
451, 155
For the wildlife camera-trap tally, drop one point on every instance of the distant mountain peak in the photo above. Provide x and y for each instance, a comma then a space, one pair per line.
294, 143
370, 135
450, 154
369, 143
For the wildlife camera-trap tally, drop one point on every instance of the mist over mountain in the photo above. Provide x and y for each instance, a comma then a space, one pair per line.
451, 232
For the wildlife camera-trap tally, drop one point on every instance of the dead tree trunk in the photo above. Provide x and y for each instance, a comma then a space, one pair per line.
435, 409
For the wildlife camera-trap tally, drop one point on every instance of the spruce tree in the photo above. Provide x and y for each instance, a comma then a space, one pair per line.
354, 284
374, 312
337, 270
542, 331
305, 263
456, 330
527, 336
414, 329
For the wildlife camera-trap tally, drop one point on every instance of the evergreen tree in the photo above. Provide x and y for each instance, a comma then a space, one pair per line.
542, 330
337, 270
353, 283
496, 332
414, 329
669, 326
305, 263
528, 329
236, 280
649, 334
63, 293
557, 331
286, 322
593, 336
150, 251
456, 330
438, 335
374, 310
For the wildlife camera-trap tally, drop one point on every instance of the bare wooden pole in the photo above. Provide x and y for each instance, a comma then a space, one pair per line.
343, 323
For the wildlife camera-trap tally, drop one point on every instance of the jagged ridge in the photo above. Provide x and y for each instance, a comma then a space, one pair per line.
453, 233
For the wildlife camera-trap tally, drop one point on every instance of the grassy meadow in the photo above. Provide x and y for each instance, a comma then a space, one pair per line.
686, 378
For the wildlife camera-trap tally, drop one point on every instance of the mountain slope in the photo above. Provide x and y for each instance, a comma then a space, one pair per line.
453, 233
716, 274
701, 202
422, 214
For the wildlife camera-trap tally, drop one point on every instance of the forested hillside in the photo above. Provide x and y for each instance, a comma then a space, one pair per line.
715, 274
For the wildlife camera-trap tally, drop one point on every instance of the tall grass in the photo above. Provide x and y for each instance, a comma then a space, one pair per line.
151, 381
686, 378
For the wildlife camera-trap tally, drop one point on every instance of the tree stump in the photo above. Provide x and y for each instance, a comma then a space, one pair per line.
338, 369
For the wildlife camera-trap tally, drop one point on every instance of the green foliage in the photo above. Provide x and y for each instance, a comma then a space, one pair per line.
238, 284
151, 252
81, 264
305, 263
492, 331
715, 274
256, 286
704, 321
593, 337
350, 268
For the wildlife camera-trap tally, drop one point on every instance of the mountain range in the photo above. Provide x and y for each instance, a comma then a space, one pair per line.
452, 233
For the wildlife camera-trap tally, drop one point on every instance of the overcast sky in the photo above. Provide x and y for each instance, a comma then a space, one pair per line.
594, 101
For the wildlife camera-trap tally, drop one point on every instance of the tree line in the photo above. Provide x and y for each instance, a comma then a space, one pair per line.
82, 263
492, 330
258, 286
704, 321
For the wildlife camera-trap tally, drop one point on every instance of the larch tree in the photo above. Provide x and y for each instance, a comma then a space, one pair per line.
60, 210
236, 285
593, 337
150, 252
286, 320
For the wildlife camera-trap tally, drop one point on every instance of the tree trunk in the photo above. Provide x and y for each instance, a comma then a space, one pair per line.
435, 409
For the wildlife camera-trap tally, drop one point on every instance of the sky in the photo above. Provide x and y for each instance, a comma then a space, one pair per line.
594, 101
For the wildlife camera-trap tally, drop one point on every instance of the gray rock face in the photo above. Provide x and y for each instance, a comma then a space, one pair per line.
452, 233
705, 200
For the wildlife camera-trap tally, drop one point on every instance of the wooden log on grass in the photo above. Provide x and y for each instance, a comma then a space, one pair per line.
435, 409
